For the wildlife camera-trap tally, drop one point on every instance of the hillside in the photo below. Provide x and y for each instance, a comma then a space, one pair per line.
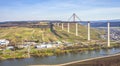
17, 35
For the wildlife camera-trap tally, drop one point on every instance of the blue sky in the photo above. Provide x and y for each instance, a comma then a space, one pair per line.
11, 10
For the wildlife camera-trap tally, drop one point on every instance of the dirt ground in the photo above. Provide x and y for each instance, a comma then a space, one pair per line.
106, 61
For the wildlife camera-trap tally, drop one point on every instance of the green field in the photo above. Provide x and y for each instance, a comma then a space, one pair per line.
17, 35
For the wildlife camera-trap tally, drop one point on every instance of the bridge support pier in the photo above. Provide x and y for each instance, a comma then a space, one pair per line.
68, 27
88, 31
55, 24
62, 26
108, 39
76, 29
58, 24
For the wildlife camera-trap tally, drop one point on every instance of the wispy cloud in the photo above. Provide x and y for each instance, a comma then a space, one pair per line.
58, 9
101, 13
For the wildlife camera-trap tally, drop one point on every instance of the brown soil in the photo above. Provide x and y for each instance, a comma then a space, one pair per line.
106, 61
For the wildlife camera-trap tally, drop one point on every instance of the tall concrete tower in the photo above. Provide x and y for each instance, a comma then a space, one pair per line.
68, 27
76, 29
88, 30
57, 24
74, 16
108, 35
62, 26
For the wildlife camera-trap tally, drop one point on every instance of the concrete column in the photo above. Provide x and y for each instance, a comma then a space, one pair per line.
108, 41
54, 23
76, 29
68, 27
88, 30
57, 24
62, 26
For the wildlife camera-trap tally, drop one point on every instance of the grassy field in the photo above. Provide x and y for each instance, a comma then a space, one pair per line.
18, 34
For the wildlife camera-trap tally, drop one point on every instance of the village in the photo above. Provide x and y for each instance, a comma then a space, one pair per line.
5, 44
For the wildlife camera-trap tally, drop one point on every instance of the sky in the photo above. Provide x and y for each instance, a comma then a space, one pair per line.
19, 10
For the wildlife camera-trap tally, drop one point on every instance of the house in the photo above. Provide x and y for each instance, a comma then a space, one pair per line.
4, 42
44, 46
23, 46
10, 47
30, 43
49, 46
58, 42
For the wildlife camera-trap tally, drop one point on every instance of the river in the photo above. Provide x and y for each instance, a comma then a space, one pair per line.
60, 59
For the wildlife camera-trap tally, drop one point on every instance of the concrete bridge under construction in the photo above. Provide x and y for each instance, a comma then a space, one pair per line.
64, 24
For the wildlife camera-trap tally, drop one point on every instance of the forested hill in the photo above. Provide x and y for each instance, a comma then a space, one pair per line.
104, 24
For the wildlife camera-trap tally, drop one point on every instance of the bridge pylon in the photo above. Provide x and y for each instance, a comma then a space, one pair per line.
74, 17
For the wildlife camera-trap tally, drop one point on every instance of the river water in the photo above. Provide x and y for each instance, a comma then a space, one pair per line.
60, 59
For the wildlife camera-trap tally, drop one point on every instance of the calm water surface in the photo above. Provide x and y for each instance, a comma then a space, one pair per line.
60, 59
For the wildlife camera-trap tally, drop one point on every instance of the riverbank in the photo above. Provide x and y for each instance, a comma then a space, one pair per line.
111, 60
23, 53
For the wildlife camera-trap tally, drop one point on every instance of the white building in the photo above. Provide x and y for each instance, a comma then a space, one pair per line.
49, 45
4, 42
23, 46
10, 47
44, 46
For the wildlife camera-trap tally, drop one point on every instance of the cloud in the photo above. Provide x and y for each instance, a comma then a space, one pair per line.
59, 9
100, 13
